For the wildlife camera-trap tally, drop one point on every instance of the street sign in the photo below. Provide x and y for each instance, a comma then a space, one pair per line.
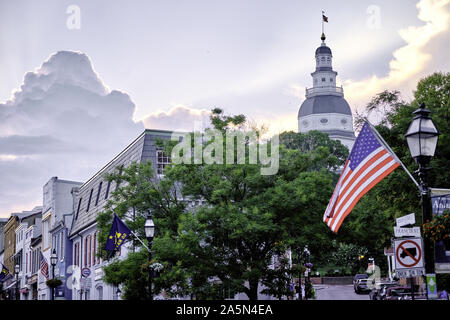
408, 253
85, 283
431, 286
409, 273
407, 232
406, 220
85, 272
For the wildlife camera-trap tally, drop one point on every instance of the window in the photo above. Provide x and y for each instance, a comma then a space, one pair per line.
98, 192
79, 205
100, 293
45, 233
62, 244
85, 252
162, 161
90, 198
89, 251
107, 190
94, 249
331, 79
76, 253
323, 79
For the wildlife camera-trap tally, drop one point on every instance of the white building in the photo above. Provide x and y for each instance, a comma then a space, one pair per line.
325, 108
58, 204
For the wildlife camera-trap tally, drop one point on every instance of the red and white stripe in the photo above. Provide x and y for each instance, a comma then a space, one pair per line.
352, 185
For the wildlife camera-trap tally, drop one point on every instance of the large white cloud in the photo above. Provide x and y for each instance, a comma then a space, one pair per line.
412, 61
63, 121
179, 118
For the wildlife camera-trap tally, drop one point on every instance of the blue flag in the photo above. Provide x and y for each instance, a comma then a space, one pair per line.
118, 234
4, 272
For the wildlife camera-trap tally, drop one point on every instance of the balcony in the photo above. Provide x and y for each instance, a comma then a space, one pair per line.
324, 90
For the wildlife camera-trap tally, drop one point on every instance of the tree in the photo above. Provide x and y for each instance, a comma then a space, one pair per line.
138, 192
372, 220
347, 255
232, 238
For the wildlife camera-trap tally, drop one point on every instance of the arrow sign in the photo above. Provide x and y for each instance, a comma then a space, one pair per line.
406, 220
407, 232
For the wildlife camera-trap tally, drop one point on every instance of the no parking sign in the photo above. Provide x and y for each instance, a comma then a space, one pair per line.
408, 253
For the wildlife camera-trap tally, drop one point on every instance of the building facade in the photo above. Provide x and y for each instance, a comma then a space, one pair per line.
325, 108
91, 200
58, 207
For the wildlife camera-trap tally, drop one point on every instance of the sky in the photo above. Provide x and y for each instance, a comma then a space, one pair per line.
79, 80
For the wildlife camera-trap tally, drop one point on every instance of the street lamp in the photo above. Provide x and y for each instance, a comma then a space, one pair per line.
300, 295
307, 281
53, 261
422, 138
149, 227
17, 270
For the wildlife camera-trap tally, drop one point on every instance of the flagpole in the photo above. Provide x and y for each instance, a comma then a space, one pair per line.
380, 138
323, 12
139, 240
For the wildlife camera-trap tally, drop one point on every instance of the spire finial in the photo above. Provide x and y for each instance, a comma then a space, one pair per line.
323, 37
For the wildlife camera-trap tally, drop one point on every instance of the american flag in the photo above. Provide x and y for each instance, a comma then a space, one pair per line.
369, 162
44, 266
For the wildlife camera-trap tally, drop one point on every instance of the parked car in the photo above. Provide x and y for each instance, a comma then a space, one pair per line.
380, 289
359, 276
395, 293
361, 286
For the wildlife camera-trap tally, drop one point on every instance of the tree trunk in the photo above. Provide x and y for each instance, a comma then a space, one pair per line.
252, 293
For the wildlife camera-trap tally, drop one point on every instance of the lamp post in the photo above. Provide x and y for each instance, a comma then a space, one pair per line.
422, 138
300, 295
53, 261
307, 283
17, 270
149, 233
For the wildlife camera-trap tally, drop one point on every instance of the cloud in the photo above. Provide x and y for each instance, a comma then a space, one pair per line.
179, 118
410, 61
62, 121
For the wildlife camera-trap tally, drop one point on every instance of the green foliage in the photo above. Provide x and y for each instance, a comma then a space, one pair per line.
53, 283
248, 217
371, 222
131, 274
138, 193
347, 255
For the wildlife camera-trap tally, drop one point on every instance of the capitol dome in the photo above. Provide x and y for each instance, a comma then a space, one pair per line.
325, 108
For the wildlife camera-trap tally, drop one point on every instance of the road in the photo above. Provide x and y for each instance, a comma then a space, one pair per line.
338, 292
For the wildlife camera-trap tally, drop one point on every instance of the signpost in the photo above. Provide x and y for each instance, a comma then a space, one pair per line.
409, 259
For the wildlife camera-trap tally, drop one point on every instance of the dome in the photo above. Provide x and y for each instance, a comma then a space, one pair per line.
323, 50
324, 104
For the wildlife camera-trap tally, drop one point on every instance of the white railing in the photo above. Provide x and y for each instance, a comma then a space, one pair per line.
337, 91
